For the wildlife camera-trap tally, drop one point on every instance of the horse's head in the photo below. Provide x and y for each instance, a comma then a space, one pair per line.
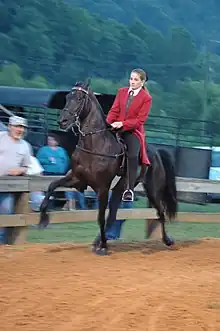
75, 107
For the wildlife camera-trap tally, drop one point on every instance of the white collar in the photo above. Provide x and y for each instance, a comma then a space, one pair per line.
135, 91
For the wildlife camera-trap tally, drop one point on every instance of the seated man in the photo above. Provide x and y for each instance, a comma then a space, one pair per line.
92, 200
114, 232
79, 200
15, 154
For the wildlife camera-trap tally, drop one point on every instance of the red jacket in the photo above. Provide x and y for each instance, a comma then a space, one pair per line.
136, 115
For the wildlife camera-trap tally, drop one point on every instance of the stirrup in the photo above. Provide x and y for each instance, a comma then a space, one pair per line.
128, 196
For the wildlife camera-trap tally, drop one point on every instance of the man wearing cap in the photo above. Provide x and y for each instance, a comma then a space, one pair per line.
15, 156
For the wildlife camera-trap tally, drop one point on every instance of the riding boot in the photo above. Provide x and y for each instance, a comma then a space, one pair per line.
128, 194
141, 177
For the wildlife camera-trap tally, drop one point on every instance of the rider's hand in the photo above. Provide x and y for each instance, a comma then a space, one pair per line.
117, 125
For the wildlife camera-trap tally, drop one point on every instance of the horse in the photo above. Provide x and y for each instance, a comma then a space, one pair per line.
99, 157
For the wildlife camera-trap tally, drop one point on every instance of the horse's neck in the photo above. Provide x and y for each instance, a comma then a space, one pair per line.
96, 124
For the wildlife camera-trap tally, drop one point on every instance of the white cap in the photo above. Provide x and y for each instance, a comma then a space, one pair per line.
16, 120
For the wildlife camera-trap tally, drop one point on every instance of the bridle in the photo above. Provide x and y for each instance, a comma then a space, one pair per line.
76, 122
78, 125
78, 113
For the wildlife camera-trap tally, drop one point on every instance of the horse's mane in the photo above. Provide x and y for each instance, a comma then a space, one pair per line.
99, 108
94, 99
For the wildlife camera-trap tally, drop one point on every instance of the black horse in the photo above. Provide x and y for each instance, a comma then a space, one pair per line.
99, 157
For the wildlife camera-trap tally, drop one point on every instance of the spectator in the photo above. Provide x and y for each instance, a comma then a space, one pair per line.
92, 199
79, 199
114, 232
53, 158
15, 154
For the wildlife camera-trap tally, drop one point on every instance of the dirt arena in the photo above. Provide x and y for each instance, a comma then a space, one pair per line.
138, 287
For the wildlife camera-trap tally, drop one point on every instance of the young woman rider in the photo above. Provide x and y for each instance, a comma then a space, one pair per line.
128, 114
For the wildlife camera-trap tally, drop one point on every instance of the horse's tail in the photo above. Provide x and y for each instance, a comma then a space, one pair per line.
170, 191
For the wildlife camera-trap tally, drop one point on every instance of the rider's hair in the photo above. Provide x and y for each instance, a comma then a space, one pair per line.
143, 75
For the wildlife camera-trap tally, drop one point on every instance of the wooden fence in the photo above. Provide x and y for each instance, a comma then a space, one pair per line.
18, 223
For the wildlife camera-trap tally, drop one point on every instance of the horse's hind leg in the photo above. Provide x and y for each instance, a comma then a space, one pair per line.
165, 237
157, 203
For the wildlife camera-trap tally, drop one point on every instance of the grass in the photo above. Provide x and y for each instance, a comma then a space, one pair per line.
131, 231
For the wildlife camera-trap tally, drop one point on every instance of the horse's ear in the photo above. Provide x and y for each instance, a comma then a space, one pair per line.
88, 83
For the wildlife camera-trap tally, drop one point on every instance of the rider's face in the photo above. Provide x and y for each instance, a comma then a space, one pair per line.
135, 81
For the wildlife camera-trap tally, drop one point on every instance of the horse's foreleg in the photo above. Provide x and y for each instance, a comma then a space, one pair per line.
66, 181
114, 204
100, 246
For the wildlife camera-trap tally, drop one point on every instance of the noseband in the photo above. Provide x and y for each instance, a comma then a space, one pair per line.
77, 114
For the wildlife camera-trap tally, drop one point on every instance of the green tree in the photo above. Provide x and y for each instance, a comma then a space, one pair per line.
11, 75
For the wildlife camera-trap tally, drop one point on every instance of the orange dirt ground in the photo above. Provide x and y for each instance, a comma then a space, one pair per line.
138, 287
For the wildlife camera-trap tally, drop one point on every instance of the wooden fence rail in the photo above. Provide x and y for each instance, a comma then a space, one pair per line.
18, 223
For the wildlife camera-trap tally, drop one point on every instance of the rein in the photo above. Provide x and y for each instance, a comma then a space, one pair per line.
115, 156
85, 134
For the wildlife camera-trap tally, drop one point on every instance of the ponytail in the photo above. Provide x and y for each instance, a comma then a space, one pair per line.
145, 89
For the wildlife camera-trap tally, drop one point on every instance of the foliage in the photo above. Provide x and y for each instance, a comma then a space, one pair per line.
54, 43
11, 75
76, 44
199, 17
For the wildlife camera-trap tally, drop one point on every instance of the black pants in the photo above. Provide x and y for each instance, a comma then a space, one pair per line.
133, 150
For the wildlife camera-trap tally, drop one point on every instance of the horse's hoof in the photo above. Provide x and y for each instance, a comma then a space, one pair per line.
94, 248
102, 251
169, 241
44, 221
96, 243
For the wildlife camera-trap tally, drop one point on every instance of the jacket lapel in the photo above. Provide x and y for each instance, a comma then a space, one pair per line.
135, 102
124, 100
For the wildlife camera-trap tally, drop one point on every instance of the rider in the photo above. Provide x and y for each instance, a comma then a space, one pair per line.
128, 114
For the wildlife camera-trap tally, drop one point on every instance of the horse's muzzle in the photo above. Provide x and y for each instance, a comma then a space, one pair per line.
62, 124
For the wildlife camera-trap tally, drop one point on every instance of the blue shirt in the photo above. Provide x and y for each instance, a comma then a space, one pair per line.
54, 161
